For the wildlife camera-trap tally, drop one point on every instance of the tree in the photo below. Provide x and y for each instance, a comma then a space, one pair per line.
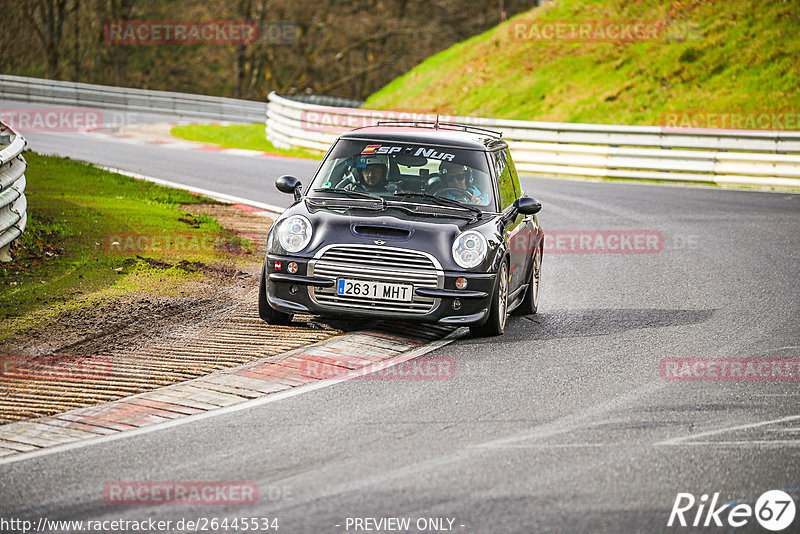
348, 48
47, 19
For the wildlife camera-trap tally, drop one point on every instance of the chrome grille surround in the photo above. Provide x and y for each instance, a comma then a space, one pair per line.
376, 263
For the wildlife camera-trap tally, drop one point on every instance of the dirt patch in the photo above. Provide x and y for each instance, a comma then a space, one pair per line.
191, 221
119, 321
252, 226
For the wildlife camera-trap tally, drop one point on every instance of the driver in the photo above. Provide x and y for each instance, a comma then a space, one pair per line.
374, 173
456, 176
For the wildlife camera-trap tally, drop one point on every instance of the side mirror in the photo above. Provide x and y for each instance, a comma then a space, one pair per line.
528, 205
289, 184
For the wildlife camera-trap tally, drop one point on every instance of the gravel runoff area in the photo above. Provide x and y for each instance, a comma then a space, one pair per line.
379, 351
143, 341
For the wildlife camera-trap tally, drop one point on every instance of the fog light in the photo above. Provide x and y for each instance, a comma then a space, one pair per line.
292, 267
293, 289
461, 283
456, 304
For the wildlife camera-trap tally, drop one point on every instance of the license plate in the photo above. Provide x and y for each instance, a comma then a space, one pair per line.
374, 290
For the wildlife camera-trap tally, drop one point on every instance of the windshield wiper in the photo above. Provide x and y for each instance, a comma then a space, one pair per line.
442, 201
352, 194
349, 192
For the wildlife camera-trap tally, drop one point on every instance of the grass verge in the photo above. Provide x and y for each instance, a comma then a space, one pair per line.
247, 136
714, 60
93, 234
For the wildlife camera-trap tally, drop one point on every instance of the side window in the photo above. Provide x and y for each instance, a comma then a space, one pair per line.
505, 181
514, 176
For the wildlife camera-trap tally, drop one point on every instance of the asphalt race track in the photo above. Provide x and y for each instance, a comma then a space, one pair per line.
251, 178
563, 424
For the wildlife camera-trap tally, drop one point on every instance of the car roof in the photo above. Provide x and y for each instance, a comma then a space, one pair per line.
470, 140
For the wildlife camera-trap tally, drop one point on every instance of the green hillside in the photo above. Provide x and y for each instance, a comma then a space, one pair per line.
722, 57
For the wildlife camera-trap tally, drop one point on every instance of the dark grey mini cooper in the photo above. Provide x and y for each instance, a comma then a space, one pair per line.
412, 221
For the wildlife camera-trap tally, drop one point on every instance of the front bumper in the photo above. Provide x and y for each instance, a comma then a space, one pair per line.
294, 293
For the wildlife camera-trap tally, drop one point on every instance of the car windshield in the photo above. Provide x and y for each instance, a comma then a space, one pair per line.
393, 170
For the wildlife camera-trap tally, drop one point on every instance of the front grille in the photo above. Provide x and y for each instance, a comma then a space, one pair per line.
377, 263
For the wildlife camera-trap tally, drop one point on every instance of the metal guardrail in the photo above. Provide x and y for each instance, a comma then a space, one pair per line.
13, 204
325, 100
131, 100
765, 158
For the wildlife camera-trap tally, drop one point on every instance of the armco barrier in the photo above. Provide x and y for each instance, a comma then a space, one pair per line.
13, 205
131, 100
765, 158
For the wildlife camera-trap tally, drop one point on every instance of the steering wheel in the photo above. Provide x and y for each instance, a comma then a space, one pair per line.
350, 182
461, 195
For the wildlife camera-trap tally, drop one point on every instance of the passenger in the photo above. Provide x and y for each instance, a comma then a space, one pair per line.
456, 176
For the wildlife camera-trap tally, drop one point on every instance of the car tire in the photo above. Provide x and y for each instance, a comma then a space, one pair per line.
265, 311
530, 302
498, 312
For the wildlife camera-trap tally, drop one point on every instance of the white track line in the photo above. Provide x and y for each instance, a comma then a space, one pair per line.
754, 443
271, 397
688, 440
276, 210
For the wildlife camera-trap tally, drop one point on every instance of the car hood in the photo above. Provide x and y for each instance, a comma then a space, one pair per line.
391, 228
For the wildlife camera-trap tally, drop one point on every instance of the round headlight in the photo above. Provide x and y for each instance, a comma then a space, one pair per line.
469, 249
294, 233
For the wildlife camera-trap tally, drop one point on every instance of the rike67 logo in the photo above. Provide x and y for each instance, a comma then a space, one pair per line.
774, 510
